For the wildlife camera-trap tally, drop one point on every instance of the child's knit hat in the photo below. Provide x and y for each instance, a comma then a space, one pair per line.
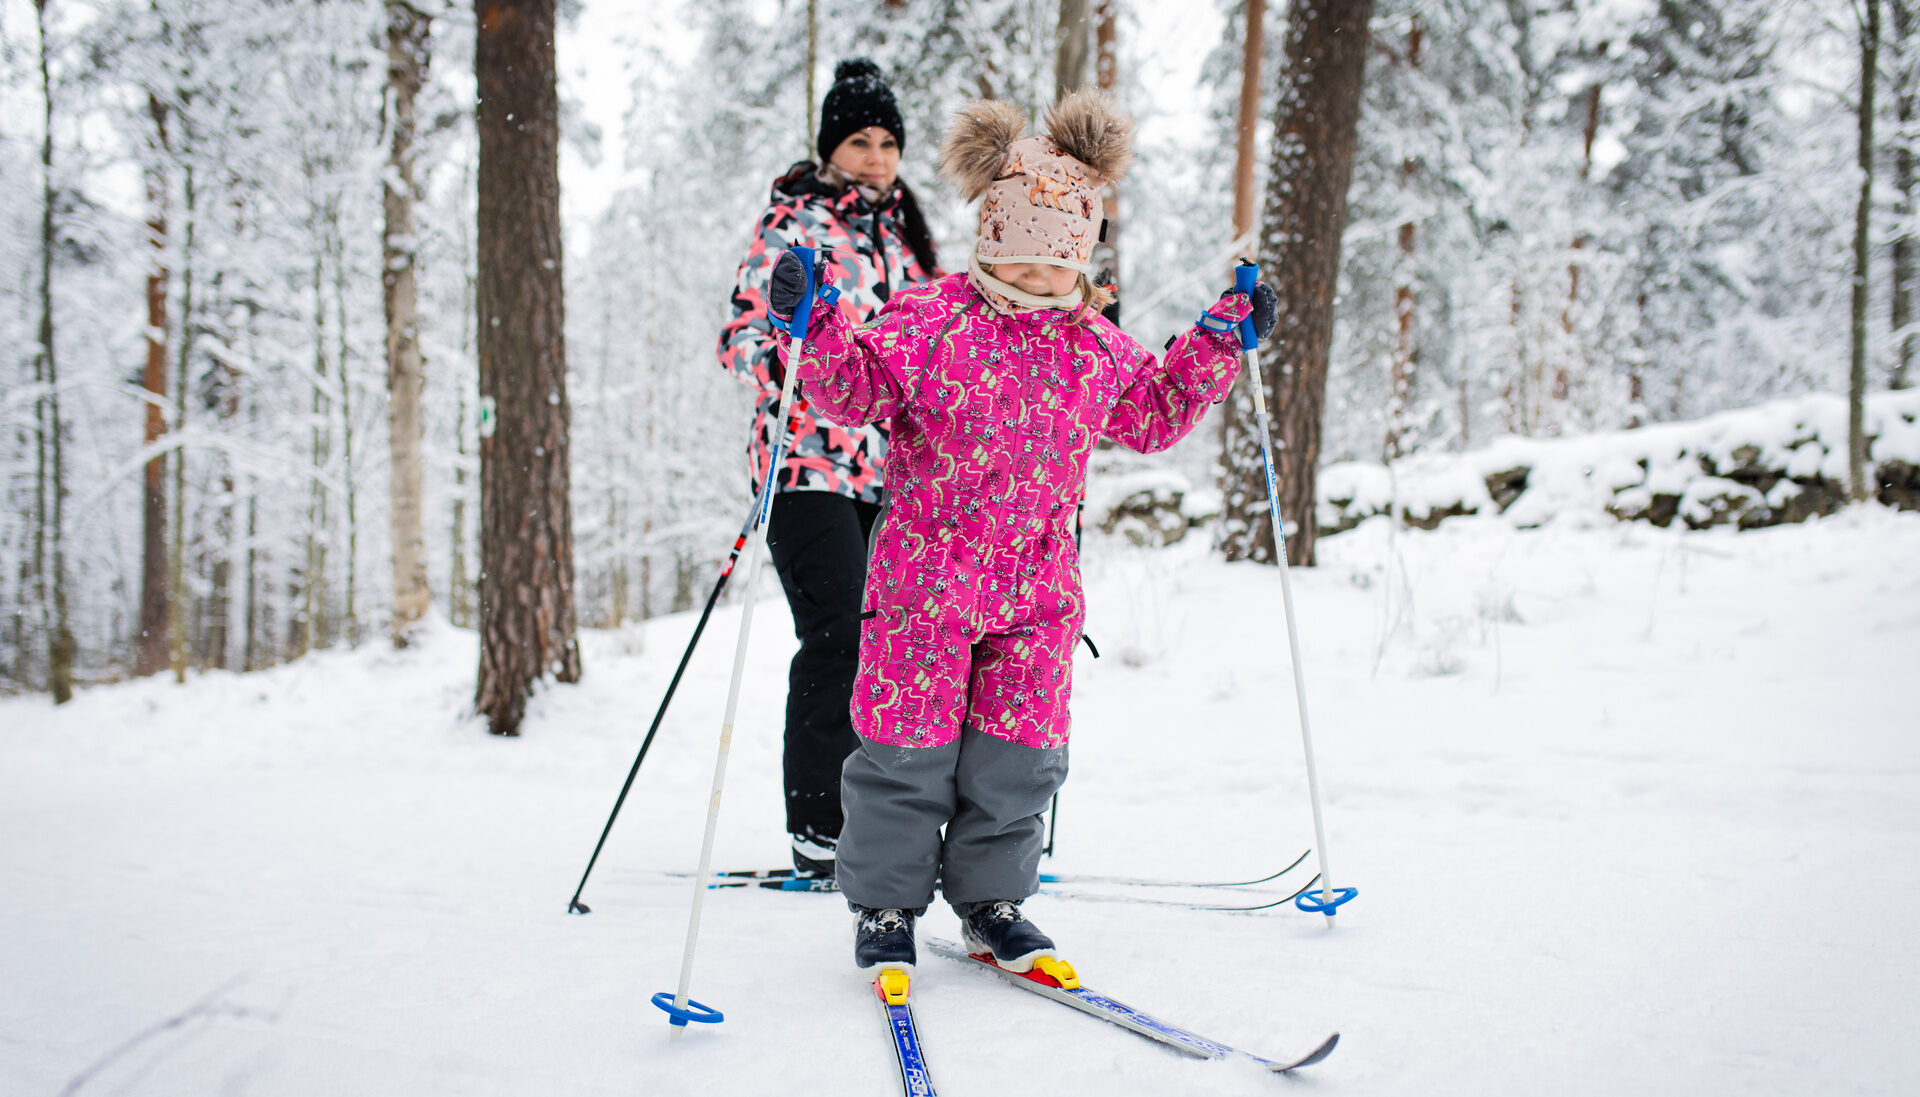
1041, 194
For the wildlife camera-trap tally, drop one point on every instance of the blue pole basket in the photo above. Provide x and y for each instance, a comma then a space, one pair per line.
1316, 902
696, 1012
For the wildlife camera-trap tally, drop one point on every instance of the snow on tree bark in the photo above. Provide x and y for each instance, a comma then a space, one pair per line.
407, 59
1862, 250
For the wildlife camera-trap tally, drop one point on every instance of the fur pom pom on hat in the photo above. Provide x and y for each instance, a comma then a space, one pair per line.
1041, 195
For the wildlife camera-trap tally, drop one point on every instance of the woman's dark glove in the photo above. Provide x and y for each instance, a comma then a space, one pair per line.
1266, 311
787, 286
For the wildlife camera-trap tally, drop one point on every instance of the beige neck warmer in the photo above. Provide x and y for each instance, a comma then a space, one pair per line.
1010, 300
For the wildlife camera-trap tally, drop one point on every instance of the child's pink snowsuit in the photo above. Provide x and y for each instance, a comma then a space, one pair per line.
974, 581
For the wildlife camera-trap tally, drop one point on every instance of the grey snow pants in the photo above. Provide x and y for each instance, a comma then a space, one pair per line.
990, 795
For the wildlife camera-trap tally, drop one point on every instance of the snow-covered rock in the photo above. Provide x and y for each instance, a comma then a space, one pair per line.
1780, 462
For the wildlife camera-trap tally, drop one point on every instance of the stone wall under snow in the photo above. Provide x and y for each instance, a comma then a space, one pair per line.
1784, 461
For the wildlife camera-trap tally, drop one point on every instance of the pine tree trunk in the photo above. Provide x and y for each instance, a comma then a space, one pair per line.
252, 657
1253, 51
407, 31
1406, 349
1862, 243
459, 585
60, 649
1306, 213
526, 524
314, 630
1070, 49
1903, 196
349, 484
150, 648
177, 540
1106, 71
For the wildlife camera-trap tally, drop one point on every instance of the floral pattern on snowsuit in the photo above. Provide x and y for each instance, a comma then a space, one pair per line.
974, 581
864, 252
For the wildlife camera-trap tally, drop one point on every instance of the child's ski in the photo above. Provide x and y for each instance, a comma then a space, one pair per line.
891, 989
1079, 997
1153, 882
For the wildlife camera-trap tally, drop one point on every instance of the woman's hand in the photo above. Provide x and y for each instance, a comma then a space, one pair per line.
787, 286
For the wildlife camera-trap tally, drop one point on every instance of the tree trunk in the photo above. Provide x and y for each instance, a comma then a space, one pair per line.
315, 630
1862, 222
1253, 52
1904, 76
407, 59
526, 524
459, 585
1070, 49
251, 655
813, 62
349, 485
150, 648
1106, 71
60, 647
177, 541
1306, 213
1406, 349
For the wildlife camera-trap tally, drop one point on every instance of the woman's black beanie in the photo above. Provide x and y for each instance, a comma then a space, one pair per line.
858, 98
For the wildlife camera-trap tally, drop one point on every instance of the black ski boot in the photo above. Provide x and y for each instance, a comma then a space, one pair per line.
813, 854
883, 939
998, 928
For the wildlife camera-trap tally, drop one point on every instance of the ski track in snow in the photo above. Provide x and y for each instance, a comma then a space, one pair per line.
1630, 811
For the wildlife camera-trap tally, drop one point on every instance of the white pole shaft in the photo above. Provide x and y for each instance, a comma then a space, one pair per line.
756, 541
700, 881
1258, 384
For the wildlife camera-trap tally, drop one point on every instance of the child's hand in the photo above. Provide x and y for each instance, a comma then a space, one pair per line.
1227, 312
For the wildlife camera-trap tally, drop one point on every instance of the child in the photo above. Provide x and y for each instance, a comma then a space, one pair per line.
998, 382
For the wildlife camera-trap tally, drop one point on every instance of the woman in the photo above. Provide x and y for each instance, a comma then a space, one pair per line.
864, 224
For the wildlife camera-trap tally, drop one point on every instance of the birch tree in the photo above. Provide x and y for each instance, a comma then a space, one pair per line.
407, 44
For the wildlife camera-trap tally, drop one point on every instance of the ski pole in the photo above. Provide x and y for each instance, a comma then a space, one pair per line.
574, 905
1330, 898
680, 1009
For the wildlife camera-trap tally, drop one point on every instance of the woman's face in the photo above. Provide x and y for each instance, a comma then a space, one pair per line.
871, 156
1039, 279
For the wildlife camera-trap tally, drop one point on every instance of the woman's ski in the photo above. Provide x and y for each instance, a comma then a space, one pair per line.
763, 877
1118, 1013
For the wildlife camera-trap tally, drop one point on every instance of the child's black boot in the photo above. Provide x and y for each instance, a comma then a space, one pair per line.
883, 939
998, 927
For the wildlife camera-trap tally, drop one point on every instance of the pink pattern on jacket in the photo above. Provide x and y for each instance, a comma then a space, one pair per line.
974, 579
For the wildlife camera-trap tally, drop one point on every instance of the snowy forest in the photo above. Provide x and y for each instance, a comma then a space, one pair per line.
244, 249
367, 461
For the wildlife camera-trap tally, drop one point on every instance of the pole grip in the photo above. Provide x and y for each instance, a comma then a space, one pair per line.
803, 311
1244, 276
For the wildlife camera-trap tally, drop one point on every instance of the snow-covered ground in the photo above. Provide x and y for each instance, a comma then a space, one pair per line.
1630, 810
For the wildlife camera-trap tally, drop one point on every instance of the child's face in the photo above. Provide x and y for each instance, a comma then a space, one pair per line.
1039, 279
